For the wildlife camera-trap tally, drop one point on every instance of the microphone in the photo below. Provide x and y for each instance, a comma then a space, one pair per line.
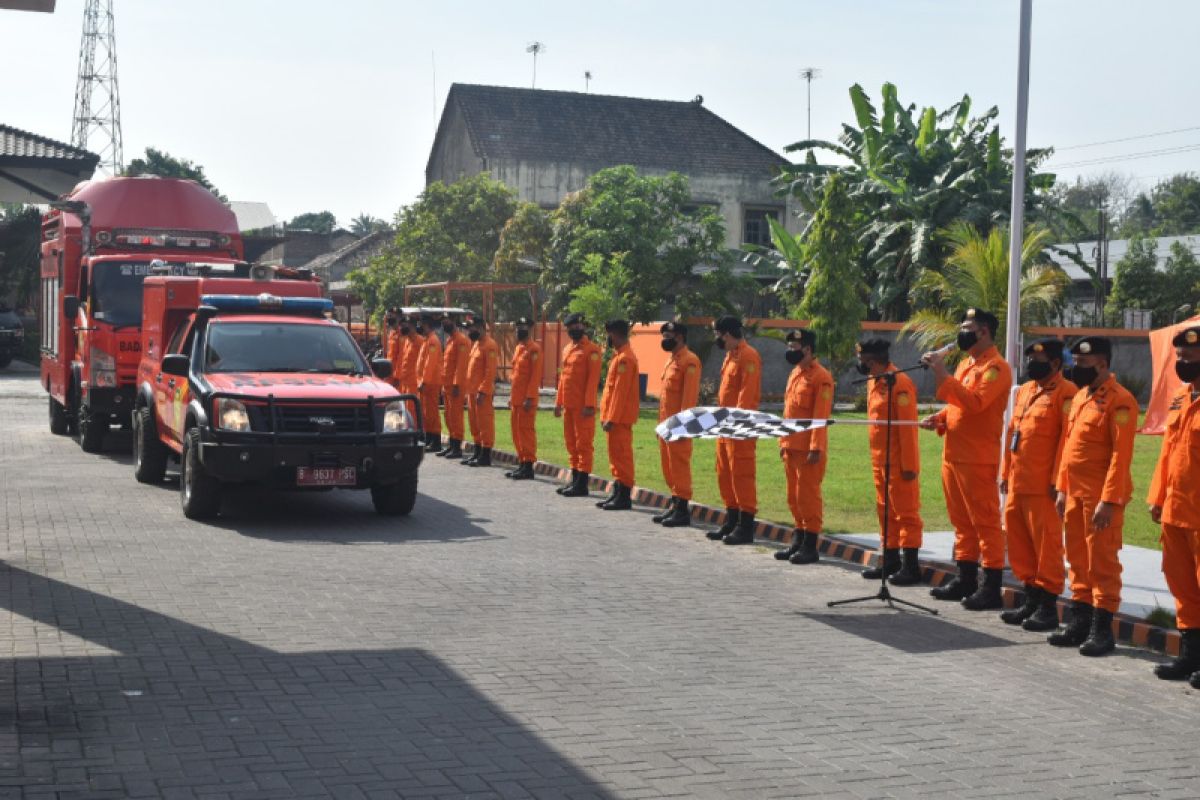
946, 349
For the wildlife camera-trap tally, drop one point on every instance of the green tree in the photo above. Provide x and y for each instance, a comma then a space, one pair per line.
1138, 283
163, 164
976, 275
315, 221
832, 301
365, 224
524, 245
635, 238
909, 175
451, 232
20, 240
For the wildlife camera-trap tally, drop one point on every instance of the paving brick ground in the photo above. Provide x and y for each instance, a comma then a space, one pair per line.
505, 642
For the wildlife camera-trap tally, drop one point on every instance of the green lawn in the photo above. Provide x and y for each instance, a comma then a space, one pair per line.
849, 492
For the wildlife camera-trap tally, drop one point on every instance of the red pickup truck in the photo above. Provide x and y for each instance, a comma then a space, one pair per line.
245, 379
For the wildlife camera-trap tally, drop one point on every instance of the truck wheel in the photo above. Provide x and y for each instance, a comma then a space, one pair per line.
199, 492
149, 454
60, 424
395, 499
92, 428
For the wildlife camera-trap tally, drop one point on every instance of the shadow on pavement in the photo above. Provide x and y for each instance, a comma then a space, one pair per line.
909, 632
181, 706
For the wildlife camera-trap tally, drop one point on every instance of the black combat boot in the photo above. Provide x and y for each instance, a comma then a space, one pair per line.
666, 512
988, 594
1045, 617
433, 443
566, 487
744, 532
962, 585
797, 541
1076, 631
1016, 616
890, 563
807, 554
622, 500
524, 472
579, 487
1100, 641
910, 568
613, 488
454, 450
470, 460
681, 517
484, 459
731, 520
1188, 660
445, 451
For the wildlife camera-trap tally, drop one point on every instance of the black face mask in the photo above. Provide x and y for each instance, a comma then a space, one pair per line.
575, 333
1038, 370
1188, 371
967, 339
474, 335
448, 327
421, 329
793, 357
863, 368
404, 329
522, 334
390, 322
719, 342
668, 344
608, 341
1083, 376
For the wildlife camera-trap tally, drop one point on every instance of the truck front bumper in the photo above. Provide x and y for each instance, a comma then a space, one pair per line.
110, 400
377, 460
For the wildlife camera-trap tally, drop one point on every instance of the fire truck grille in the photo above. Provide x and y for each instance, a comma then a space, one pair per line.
322, 419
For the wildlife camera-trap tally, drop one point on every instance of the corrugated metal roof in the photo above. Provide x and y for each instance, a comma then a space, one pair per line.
17, 143
253, 216
1117, 248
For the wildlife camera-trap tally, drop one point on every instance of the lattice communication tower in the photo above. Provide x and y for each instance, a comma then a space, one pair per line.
97, 101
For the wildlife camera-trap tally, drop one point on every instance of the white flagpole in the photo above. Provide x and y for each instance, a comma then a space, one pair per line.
1017, 214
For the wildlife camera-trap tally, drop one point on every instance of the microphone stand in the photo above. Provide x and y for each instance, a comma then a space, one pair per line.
884, 594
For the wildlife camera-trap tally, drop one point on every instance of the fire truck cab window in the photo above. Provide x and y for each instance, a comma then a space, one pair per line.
116, 293
281, 347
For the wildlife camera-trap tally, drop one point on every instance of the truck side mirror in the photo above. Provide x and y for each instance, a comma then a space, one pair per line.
176, 364
382, 367
70, 306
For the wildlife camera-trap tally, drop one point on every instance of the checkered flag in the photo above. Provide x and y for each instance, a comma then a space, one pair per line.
712, 422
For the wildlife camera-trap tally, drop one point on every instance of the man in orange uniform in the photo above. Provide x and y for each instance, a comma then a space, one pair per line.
895, 471
481, 386
741, 382
578, 379
973, 422
429, 379
1175, 503
1033, 448
393, 344
1094, 484
454, 379
680, 391
526, 380
618, 412
410, 349
809, 395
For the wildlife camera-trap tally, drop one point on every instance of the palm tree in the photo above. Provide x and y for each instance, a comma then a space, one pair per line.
976, 276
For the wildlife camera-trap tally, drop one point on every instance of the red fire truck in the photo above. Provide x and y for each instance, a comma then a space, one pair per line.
97, 246
244, 379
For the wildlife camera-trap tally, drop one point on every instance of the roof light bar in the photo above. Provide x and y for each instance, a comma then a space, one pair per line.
267, 302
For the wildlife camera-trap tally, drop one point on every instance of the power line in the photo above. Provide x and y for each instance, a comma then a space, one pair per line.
1167, 151
1127, 139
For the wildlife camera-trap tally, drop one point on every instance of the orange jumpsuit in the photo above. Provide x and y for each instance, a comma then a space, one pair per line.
1031, 525
578, 380
429, 381
410, 350
393, 350
904, 524
481, 380
1095, 468
526, 379
741, 385
973, 423
809, 395
619, 406
1175, 491
454, 374
680, 391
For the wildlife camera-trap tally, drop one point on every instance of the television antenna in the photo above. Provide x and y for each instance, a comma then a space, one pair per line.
808, 73
587, 80
535, 48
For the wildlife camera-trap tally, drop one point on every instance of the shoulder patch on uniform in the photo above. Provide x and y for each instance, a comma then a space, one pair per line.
621, 368
1121, 415
991, 374
691, 370
750, 367
595, 356
533, 354
903, 400
826, 392
1066, 406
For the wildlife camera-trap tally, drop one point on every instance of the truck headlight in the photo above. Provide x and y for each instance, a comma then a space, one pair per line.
232, 415
104, 369
395, 418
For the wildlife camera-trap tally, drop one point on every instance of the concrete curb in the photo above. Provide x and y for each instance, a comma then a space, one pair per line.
1128, 630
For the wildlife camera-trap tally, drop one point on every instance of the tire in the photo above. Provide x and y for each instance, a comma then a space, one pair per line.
92, 428
199, 492
149, 454
60, 422
395, 499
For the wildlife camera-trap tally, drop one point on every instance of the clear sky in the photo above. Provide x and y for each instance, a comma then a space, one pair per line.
311, 105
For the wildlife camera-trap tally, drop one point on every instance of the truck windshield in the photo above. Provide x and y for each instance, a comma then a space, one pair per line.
117, 290
281, 347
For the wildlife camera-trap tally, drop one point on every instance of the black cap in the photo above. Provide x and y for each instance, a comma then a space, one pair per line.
617, 326
981, 317
672, 328
874, 347
805, 337
1053, 348
574, 319
1187, 338
523, 322
1092, 346
728, 324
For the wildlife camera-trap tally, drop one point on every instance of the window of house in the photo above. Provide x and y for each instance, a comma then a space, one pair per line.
755, 229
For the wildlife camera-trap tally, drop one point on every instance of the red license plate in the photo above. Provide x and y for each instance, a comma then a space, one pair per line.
326, 476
